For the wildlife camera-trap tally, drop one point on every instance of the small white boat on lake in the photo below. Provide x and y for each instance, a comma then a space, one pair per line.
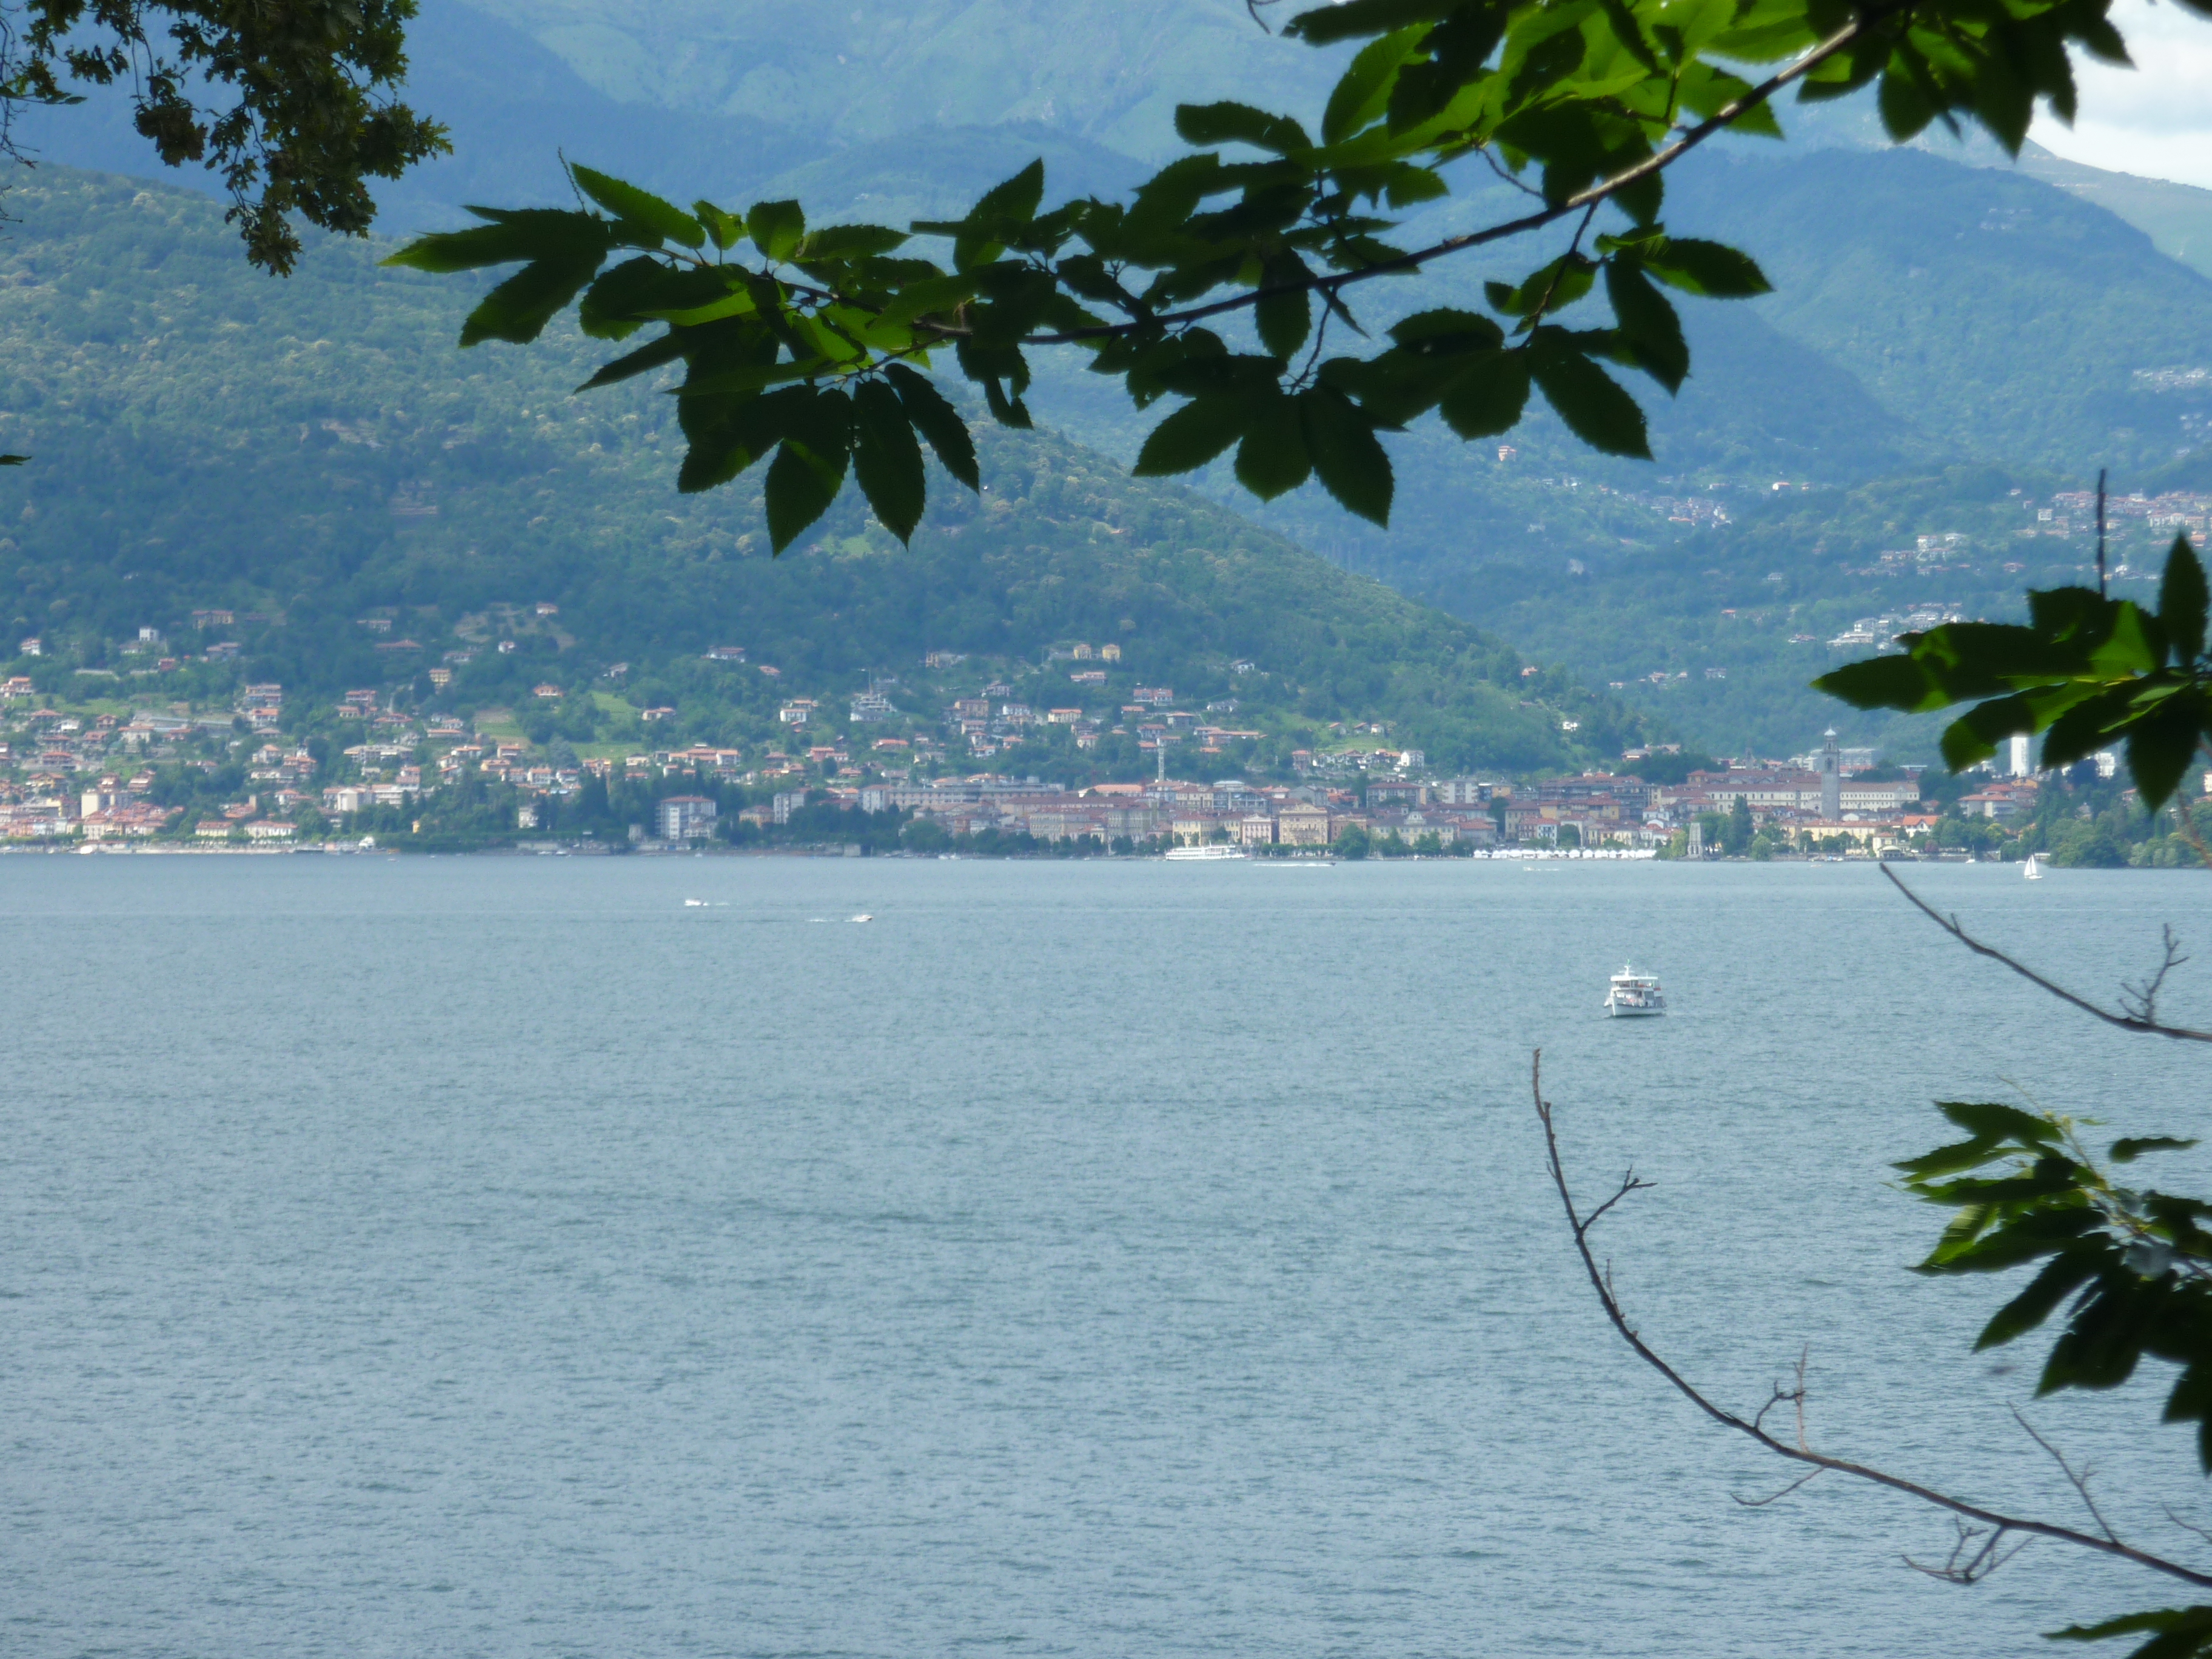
1634, 996
1208, 855
2034, 871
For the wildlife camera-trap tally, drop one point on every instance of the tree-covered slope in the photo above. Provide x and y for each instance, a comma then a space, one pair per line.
317, 448
1998, 312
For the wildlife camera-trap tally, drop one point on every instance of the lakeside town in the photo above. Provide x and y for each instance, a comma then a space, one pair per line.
248, 779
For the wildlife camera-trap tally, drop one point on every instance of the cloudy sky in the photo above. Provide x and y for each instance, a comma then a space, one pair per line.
2156, 119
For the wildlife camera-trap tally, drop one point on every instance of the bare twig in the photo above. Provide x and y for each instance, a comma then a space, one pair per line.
1776, 1496
1981, 1529
1559, 270
1506, 175
2100, 532
2186, 1526
2079, 1482
1963, 1568
2127, 1020
2141, 1000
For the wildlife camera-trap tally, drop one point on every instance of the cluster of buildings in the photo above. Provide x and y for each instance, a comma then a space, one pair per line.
1828, 799
2075, 511
991, 720
65, 775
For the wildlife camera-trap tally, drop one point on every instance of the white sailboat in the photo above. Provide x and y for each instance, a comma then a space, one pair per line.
2034, 871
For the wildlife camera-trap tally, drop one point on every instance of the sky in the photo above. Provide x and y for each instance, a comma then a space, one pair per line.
2155, 120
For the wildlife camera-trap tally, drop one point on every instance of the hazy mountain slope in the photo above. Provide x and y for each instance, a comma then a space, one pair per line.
1112, 73
2178, 218
1996, 309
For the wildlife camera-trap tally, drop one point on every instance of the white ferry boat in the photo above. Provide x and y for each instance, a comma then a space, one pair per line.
1634, 996
1209, 853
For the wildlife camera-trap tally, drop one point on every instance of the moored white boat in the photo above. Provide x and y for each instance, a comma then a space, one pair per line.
1633, 995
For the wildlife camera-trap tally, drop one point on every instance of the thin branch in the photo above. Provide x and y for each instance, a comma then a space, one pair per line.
2141, 1000
1806, 1478
1987, 1524
1506, 175
2079, 1482
2126, 1021
2186, 1526
1559, 272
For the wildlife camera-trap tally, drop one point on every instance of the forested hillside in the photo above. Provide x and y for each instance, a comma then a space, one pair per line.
1907, 370
316, 449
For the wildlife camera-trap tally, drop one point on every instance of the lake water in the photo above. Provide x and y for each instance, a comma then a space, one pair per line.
500, 1257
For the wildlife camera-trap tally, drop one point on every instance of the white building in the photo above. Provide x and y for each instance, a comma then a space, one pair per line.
684, 817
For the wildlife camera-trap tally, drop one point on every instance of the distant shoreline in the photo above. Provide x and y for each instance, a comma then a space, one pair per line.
1502, 855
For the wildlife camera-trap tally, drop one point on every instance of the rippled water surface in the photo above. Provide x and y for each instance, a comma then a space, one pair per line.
499, 1256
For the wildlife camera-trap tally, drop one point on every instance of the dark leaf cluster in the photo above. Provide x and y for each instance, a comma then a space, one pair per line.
292, 104
2128, 1269
2086, 671
804, 349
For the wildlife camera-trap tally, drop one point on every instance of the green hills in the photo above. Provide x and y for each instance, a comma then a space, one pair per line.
317, 451
1950, 341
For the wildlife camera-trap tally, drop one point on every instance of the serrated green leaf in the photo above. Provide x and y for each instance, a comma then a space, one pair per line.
1449, 331
1347, 21
1591, 402
886, 459
1239, 124
2181, 602
1883, 683
1272, 460
651, 355
531, 234
1348, 457
809, 468
1362, 92
728, 435
1284, 320
1015, 199
2175, 1633
1711, 269
777, 228
639, 207
1997, 1121
1194, 435
1489, 397
2161, 745
518, 310
938, 423
797, 494
1549, 288
836, 242
639, 290
724, 230
2059, 1278
1648, 324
